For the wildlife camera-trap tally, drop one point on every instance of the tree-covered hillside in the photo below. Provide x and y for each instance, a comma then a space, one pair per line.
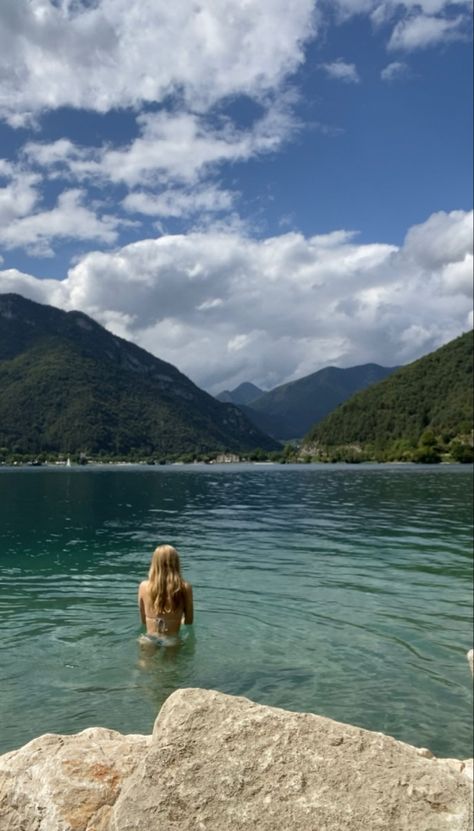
421, 411
68, 385
290, 410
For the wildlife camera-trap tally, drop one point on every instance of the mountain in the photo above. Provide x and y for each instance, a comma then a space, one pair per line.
68, 385
424, 405
290, 410
243, 394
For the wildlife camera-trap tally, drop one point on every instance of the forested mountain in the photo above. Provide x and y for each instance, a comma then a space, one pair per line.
421, 411
243, 394
68, 385
290, 410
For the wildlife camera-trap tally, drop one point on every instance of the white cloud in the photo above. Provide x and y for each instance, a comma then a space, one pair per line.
420, 31
69, 219
58, 156
172, 146
396, 71
19, 194
342, 71
111, 54
179, 203
415, 24
444, 238
170, 167
226, 308
117, 53
183, 146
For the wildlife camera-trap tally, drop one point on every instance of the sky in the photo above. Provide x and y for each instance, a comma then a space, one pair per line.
248, 189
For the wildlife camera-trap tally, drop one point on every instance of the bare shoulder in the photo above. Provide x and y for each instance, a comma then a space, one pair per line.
143, 587
187, 587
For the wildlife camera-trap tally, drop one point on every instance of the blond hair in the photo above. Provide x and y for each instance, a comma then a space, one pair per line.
166, 583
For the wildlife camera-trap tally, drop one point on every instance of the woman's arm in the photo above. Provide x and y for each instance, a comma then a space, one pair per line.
188, 616
141, 602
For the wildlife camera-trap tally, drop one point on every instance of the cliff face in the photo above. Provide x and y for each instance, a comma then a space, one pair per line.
219, 763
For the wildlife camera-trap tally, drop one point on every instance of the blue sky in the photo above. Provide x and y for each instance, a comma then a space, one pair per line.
249, 190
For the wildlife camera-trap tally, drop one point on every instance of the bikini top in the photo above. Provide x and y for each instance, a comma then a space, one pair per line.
161, 620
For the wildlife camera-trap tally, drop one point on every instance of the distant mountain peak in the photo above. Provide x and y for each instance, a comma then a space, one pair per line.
245, 393
290, 410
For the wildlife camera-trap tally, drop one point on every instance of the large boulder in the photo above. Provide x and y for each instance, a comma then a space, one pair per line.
219, 763
66, 783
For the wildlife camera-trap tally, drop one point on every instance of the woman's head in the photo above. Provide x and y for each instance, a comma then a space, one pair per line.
165, 579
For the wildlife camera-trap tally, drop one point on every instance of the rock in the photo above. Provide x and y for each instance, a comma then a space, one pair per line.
425, 752
219, 763
470, 658
66, 783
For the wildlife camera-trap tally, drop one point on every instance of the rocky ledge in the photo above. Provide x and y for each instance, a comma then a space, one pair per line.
219, 763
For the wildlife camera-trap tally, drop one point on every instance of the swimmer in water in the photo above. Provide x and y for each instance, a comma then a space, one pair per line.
165, 600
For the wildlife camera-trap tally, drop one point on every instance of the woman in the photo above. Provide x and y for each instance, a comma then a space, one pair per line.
165, 600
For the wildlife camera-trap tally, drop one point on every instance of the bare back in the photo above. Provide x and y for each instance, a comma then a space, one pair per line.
165, 623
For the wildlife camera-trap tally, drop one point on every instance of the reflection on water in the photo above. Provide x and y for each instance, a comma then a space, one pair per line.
340, 590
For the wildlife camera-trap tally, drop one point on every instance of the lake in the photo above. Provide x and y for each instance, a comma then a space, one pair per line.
335, 589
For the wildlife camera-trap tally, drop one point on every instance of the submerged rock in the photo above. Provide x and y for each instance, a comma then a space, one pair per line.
219, 763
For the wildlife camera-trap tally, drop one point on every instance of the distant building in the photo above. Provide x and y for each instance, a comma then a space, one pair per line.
226, 458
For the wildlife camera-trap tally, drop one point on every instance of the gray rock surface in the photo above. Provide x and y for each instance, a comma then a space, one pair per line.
219, 763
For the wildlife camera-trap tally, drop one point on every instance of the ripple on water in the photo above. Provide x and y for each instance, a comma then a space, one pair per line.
316, 589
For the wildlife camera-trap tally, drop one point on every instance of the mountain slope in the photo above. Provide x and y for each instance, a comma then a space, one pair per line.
69, 385
243, 394
290, 410
428, 399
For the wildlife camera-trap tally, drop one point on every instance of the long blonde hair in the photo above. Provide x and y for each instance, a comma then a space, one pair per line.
166, 583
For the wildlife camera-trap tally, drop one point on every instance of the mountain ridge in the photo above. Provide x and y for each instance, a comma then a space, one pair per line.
290, 410
421, 410
245, 393
69, 385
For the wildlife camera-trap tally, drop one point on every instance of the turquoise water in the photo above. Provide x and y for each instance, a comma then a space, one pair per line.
339, 590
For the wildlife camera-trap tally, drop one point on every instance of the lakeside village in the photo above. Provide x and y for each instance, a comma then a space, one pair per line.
429, 450
73, 460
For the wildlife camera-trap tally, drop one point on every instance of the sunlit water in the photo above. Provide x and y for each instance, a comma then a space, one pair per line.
344, 591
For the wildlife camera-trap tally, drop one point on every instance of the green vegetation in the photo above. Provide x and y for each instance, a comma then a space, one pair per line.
423, 413
290, 410
68, 386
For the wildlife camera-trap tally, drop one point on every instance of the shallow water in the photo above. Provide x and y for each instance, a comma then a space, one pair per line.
341, 590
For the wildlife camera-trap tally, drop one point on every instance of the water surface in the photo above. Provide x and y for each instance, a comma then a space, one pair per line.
340, 590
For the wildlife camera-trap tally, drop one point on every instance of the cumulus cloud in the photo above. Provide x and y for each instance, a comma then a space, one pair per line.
226, 308
342, 71
114, 53
110, 54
